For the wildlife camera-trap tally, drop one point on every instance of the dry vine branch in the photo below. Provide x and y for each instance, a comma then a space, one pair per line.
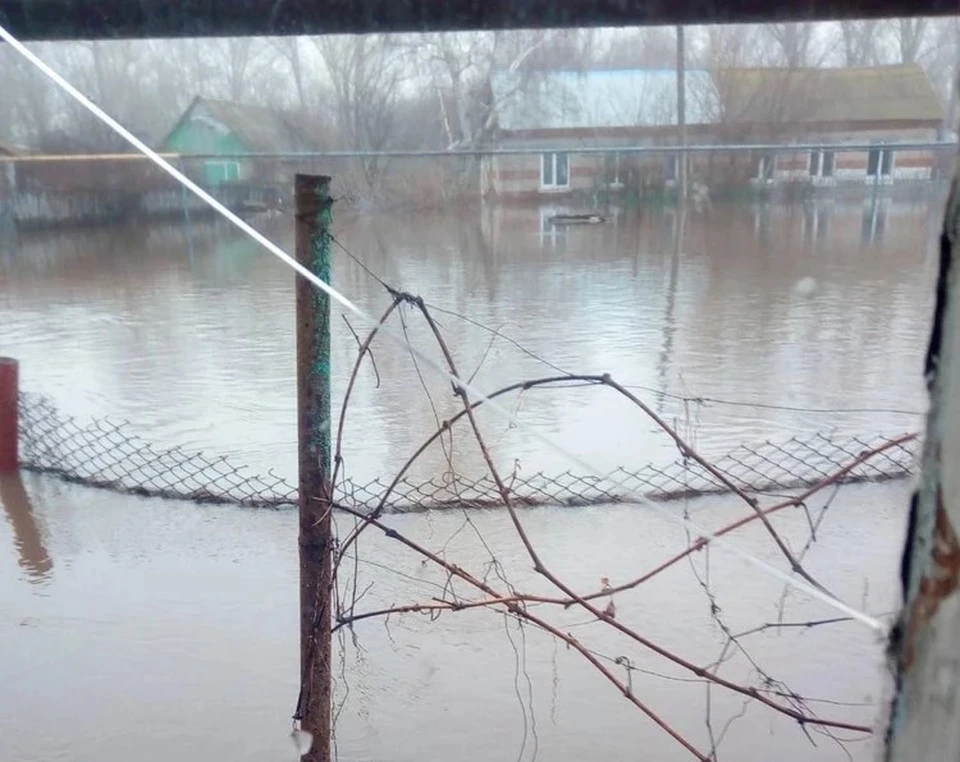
605, 380
361, 353
688, 452
788, 503
516, 603
363, 350
599, 380
518, 610
444, 427
540, 568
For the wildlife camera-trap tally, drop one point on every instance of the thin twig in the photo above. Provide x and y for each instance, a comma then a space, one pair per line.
519, 610
688, 452
356, 336
364, 348
515, 607
700, 543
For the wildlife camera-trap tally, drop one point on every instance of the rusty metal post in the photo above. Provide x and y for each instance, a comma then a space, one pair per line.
9, 415
925, 643
313, 219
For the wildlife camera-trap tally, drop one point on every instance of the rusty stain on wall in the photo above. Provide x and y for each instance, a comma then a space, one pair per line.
938, 583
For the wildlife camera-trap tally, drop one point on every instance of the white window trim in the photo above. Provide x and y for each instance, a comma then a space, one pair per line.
819, 178
224, 165
554, 186
672, 161
614, 184
759, 179
879, 178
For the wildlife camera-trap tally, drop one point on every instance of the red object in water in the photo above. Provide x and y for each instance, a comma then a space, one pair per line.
9, 412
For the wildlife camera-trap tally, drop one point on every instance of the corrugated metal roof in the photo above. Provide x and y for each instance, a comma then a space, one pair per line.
553, 100
864, 94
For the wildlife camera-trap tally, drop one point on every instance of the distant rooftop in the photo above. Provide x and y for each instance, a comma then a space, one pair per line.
553, 100
261, 129
860, 94
621, 98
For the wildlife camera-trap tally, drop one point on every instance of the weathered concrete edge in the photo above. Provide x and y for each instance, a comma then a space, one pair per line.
924, 644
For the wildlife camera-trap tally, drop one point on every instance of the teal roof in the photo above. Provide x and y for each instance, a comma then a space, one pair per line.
554, 100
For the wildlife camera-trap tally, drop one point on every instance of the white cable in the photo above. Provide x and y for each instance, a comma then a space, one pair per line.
274, 249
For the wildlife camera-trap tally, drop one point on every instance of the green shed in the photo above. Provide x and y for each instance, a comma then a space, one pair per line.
232, 130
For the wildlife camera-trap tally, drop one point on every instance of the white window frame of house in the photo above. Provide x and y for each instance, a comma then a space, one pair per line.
226, 165
552, 159
613, 183
880, 178
815, 167
761, 169
671, 168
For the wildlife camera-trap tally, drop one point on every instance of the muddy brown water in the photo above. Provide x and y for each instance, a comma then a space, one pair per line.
152, 630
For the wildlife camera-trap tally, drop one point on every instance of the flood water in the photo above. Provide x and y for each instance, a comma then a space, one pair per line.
152, 630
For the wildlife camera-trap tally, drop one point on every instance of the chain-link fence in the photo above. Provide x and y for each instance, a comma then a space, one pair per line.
110, 455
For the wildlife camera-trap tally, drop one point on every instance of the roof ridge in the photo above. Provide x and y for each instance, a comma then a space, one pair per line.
913, 66
615, 70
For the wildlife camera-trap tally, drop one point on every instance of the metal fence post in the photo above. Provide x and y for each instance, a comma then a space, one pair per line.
9, 415
313, 219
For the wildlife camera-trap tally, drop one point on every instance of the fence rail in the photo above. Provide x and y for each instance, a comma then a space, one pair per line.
533, 150
107, 454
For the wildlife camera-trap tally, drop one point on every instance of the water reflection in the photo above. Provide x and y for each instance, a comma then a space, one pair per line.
187, 331
816, 222
678, 217
762, 223
200, 606
27, 538
875, 219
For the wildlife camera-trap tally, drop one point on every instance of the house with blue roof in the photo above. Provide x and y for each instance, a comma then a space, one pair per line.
564, 112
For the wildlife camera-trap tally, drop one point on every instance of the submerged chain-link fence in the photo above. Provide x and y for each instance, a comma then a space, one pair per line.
110, 455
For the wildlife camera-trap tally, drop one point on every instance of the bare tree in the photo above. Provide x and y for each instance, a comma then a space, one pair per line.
366, 74
30, 104
939, 56
462, 67
794, 44
727, 46
639, 48
457, 62
910, 35
860, 42
290, 49
245, 71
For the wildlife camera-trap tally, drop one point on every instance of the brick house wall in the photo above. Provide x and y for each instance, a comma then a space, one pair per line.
523, 175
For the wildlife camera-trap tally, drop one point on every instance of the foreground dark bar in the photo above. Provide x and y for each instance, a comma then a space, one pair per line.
104, 19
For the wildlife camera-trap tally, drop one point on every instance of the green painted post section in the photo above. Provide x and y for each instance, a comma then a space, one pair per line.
314, 215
